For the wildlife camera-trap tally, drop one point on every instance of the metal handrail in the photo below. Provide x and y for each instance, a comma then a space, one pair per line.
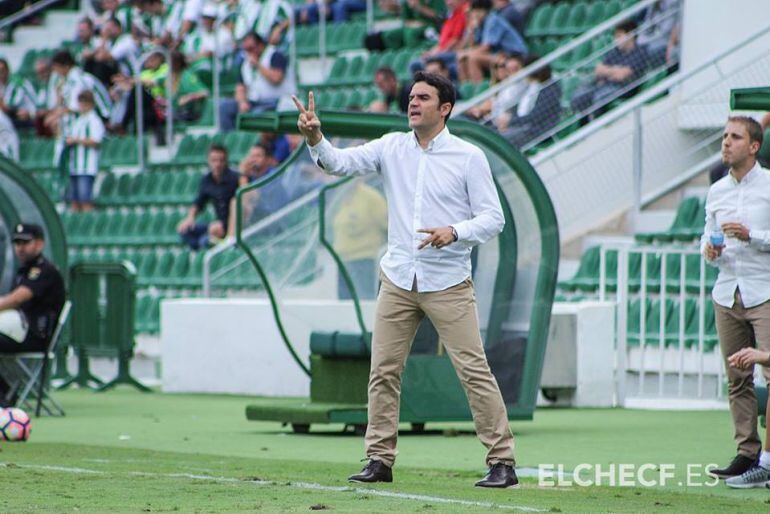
645, 96
26, 11
138, 63
519, 77
622, 299
215, 68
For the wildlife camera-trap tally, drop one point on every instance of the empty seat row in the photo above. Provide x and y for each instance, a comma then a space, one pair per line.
359, 69
339, 37
134, 227
194, 148
148, 188
37, 153
687, 225
662, 323
571, 18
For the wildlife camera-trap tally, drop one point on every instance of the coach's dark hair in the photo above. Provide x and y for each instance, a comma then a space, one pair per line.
482, 4
445, 88
752, 127
63, 58
628, 26
216, 147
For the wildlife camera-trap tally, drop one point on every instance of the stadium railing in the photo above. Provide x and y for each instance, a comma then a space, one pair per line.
667, 139
666, 340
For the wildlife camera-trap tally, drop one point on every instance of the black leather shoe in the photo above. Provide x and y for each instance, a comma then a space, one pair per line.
374, 471
499, 475
737, 467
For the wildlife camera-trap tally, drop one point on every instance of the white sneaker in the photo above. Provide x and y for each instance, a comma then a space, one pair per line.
757, 476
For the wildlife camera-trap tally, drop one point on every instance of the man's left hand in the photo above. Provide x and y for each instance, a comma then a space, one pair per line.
745, 358
437, 237
736, 230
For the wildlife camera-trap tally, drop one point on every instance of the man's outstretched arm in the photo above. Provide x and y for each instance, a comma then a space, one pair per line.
358, 160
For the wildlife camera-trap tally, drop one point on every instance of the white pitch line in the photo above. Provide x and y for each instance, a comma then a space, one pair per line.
298, 485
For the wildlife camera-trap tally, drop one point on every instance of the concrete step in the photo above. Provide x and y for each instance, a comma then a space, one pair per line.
58, 26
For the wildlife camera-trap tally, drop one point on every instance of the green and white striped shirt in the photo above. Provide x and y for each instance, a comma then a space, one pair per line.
84, 160
19, 94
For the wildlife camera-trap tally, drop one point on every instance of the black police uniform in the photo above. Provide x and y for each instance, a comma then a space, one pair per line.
42, 311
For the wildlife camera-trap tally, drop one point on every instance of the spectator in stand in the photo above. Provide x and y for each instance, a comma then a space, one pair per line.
109, 10
265, 77
112, 53
85, 37
44, 84
257, 203
187, 90
342, 9
510, 13
491, 36
308, 13
123, 93
9, 140
537, 111
16, 93
257, 163
70, 82
150, 25
191, 15
83, 140
658, 37
420, 19
278, 146
616, 74
497, 106
450, 38
395, 94
200, 45
218, 186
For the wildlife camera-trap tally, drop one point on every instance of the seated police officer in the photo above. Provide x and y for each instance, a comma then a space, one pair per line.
30, 311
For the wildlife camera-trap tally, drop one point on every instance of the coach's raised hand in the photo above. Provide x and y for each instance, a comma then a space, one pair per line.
308, 123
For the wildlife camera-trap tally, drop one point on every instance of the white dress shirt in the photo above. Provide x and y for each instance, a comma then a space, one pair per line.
447, 184
743, 264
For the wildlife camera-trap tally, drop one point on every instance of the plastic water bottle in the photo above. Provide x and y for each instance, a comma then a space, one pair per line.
717, 238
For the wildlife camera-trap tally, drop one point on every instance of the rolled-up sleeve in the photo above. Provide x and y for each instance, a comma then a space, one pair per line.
358, 160
488, 219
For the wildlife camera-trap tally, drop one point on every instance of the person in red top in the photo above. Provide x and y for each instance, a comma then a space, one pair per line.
450, 38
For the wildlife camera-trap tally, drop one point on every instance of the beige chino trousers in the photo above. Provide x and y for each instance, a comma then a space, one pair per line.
734, 328
453, 313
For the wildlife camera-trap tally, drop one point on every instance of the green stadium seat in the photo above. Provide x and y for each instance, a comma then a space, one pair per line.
558, 24
339, 345
710, 339
587, 272
540, 21
687, 224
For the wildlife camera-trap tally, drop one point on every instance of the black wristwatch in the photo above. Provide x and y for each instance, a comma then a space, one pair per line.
454, 233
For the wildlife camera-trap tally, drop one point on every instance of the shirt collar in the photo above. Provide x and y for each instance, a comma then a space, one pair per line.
753, 172
437, 142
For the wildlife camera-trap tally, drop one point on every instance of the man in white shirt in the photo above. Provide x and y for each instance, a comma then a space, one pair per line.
738, 209
266, 76
442, 201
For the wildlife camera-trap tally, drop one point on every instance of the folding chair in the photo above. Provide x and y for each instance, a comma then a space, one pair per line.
26, 373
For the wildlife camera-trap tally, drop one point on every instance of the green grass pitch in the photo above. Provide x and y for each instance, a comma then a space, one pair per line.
124, 451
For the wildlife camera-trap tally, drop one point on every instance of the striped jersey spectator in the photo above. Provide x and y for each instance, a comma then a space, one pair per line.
83, 141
